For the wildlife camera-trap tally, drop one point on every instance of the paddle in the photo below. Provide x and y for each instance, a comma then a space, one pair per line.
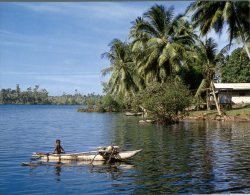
91, 163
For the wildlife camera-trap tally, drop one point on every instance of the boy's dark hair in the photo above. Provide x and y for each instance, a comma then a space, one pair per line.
58, 140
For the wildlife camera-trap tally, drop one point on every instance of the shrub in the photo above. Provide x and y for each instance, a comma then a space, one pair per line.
165, 101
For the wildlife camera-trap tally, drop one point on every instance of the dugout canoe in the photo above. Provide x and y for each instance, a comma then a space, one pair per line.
133, 113
85, 156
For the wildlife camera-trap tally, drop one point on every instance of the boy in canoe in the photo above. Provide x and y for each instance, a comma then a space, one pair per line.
58, 149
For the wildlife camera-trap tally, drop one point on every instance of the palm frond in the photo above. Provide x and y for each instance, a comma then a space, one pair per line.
106, 71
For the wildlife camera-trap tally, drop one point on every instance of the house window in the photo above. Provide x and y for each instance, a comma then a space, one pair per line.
242, 93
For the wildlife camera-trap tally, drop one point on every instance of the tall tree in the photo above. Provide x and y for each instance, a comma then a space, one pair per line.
122, 68
159, 45
209, 15
210, 59
236, 68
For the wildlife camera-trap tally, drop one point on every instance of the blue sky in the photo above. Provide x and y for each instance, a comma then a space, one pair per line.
59, 45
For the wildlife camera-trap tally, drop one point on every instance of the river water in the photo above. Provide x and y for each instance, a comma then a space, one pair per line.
189, 157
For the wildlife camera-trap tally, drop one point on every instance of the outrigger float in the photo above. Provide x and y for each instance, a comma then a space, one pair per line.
110, 153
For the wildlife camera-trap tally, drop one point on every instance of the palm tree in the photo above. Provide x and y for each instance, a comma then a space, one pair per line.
207, 55
214, 14
122, 81
158, 44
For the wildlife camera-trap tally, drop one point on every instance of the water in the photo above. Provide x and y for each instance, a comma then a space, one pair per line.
190, 157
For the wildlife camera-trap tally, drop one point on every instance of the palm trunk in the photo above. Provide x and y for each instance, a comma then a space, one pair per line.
215, 98
207, 100
144, 111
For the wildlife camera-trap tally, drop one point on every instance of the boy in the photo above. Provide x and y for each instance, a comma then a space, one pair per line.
58, 149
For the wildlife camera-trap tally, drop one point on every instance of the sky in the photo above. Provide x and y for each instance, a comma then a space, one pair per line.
58, 46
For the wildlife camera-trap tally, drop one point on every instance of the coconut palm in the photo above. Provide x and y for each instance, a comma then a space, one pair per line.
158, 45
122, 81
208, 56
209, 15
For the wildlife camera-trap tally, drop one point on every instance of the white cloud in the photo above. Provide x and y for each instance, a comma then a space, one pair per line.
40, 7
49, 75
100, 10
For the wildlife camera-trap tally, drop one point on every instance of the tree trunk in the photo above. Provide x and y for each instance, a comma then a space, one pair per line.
215, 99
207, 100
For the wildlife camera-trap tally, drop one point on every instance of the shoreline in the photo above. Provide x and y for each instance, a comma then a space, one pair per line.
217, 118
236, 114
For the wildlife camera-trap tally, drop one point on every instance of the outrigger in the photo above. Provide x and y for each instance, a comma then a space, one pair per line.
110, 153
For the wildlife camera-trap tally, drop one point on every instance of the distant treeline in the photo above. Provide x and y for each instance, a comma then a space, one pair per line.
41, 96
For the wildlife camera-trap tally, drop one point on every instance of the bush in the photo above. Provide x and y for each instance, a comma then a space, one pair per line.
165, 101
100, 108
110, 104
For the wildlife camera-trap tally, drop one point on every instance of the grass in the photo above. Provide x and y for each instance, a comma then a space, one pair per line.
212, 113
239, 112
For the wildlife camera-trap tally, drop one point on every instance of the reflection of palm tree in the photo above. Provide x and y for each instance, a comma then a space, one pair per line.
159, 44
214, 14
208, 56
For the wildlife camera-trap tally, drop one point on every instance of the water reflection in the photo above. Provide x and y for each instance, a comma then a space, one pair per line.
58, 170
190, 157
113, 170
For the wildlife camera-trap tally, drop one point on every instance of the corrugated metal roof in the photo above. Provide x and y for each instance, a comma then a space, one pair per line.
232, 86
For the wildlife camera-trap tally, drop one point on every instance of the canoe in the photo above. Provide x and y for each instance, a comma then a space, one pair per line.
146, 121
84, 156
133, 113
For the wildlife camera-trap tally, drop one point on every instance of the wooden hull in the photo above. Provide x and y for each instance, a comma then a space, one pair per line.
133, 113
84, 156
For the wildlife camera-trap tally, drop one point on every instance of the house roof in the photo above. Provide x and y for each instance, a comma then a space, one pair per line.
233, 86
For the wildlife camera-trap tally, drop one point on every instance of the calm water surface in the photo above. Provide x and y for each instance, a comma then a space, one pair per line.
190, 157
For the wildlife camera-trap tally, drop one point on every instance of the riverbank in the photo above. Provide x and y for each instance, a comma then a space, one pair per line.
237, 114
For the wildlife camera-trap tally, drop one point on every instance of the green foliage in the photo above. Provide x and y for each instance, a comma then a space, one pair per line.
111, 105
209, 15
209, 59
192, 76
122, 79
161, 43
106, 104
236, 68
165, 101
89, 100
31, 96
